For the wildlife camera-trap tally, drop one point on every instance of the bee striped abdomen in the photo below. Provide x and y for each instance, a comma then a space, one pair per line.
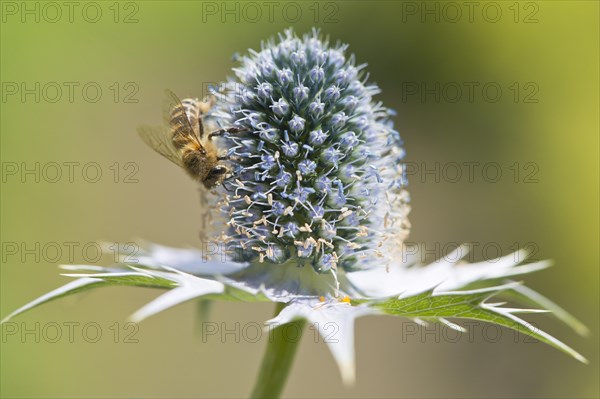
192, 110
183, 121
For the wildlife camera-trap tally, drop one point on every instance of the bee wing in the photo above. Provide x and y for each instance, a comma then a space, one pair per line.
157, 138
179, 121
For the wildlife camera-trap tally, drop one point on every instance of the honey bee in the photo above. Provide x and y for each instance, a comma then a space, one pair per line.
184, 142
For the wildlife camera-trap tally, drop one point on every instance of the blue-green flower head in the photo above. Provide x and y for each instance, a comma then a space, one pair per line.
318, 172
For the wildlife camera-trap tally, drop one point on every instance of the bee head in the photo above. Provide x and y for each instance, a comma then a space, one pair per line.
215, 176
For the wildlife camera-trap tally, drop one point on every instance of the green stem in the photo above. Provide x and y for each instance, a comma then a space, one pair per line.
278, 358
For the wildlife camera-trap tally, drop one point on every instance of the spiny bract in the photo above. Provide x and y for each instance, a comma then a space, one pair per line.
319, 177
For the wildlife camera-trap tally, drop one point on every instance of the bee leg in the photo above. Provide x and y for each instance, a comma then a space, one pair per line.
200, 127
231, 130
228, 158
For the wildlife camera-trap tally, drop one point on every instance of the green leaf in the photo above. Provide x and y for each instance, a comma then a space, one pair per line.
470, 305
87, 282
528, 297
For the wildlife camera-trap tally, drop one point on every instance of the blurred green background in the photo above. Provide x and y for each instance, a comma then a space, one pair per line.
136, 49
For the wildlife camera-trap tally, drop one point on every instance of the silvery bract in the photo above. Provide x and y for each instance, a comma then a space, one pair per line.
316, 213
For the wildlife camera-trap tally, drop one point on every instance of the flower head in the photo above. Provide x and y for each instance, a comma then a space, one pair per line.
319, 178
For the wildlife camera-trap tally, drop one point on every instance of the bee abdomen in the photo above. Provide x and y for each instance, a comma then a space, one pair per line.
180, 136
182, 117
188, 109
